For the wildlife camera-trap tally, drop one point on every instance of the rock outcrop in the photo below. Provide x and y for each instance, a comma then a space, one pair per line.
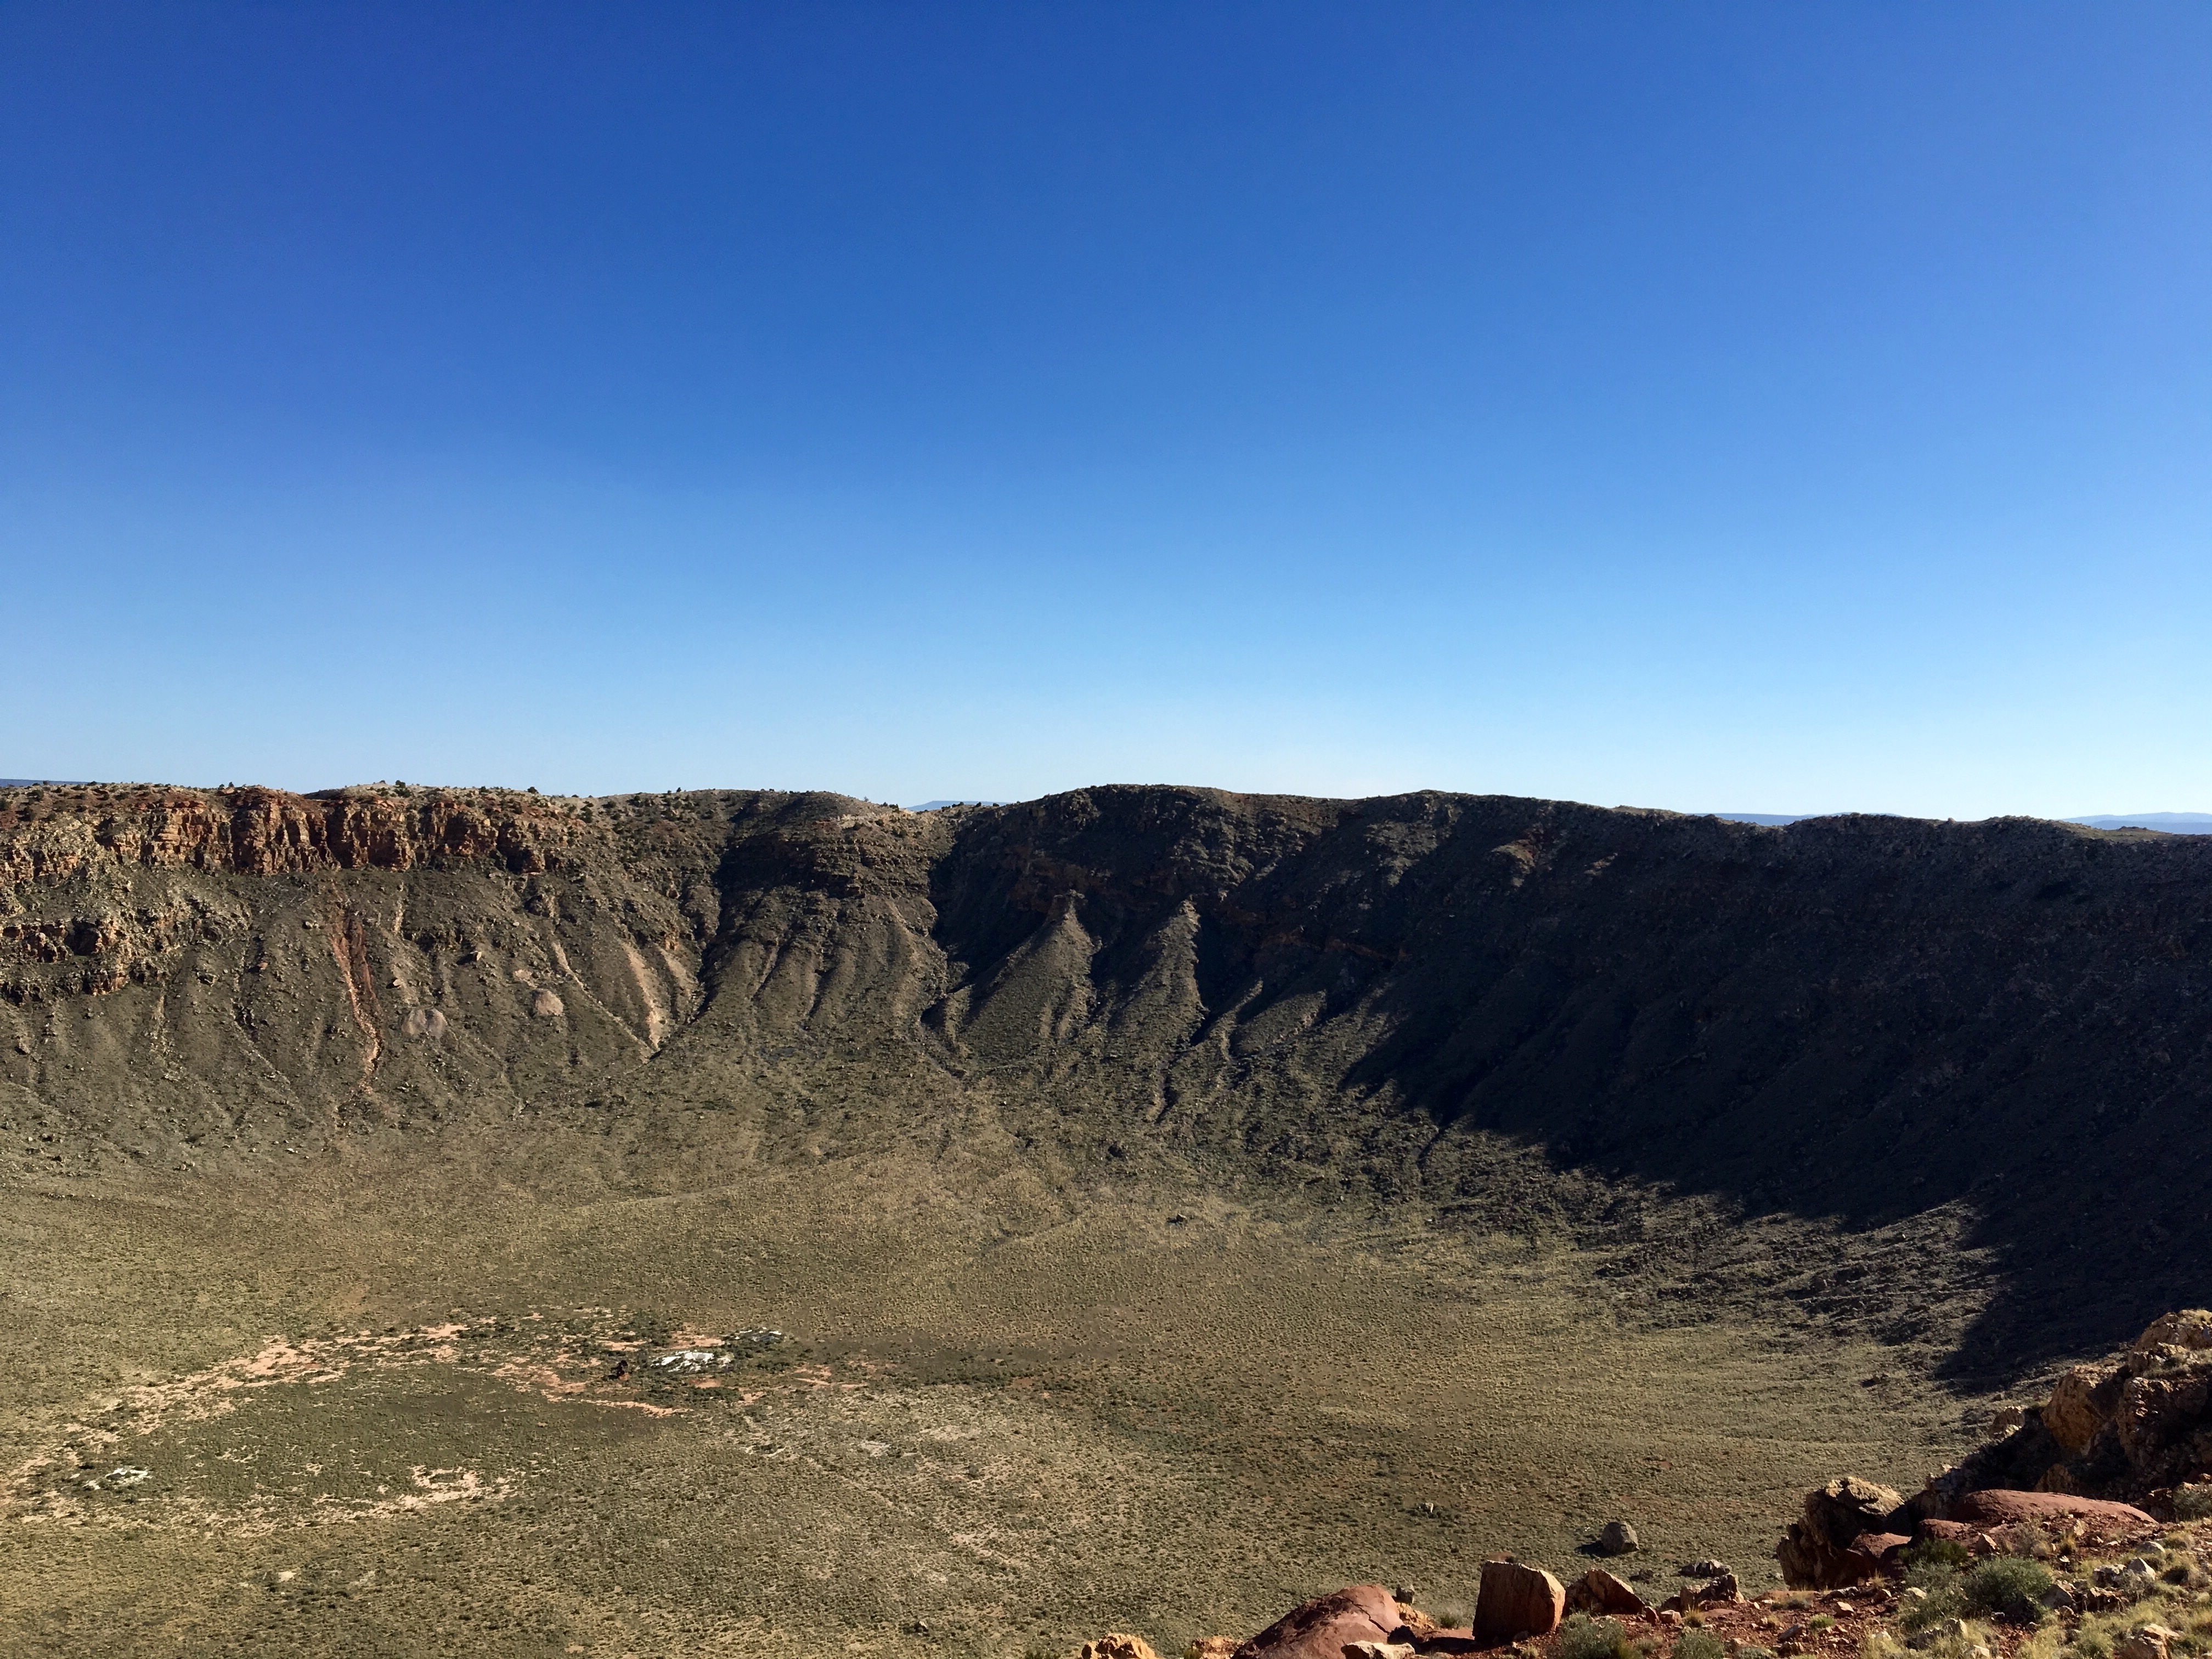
2117, 1428
1818, 1550
1117, 1644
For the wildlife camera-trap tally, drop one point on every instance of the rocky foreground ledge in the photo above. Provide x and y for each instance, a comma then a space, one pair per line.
2102, 1550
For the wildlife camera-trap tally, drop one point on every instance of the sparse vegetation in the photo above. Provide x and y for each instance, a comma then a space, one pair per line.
1585, 1637
2193, 1503
1700, 1644
2008, 1586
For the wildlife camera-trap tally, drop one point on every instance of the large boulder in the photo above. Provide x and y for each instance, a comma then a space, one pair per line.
2004, 1509
1516, 1602
1323, 1627
1816, 1553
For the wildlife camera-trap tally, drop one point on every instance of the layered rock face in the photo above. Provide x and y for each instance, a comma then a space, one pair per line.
1868, 1019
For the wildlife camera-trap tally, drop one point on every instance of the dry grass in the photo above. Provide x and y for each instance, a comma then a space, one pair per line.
1013, 1415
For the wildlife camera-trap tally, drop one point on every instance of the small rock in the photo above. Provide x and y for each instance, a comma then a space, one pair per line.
1378, 1650
1705, 1567
546, 1006
1210, 1647
1618, 1538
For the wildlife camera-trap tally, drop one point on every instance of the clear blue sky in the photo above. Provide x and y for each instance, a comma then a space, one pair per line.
1758, 407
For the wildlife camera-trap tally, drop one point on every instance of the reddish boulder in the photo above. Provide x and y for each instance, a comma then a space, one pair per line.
1323, 1627
1516, 1602
2002, 1508
1872, 1554
1598, 1591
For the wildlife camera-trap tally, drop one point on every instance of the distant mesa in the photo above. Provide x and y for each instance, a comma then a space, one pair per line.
2174, 824
931, 805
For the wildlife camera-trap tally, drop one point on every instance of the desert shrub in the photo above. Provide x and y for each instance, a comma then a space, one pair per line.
1875, 1644
1933, 1556
2100, 1633
1753, 1650
1820, 1622
1932, 1567
1700, 1644
1585, 1637
2192, 1503
2009, 1587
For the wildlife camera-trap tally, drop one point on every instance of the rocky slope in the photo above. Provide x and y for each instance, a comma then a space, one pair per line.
1525, 1013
